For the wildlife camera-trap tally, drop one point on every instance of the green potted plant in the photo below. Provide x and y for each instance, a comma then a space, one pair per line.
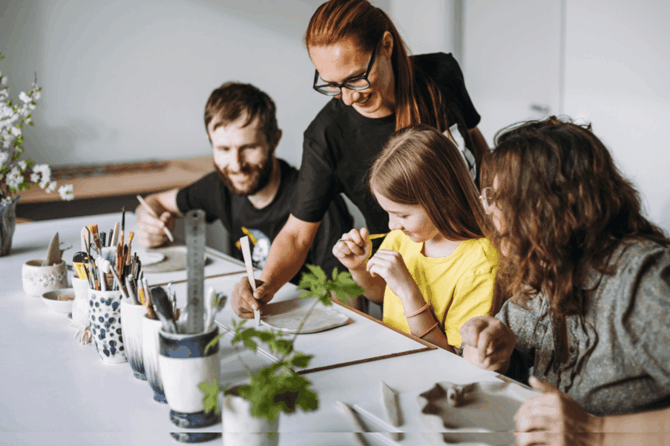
278, 387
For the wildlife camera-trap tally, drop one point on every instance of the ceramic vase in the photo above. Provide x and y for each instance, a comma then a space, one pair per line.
184, 364
38, 279
105, 317
240, 428
7, 225
131, 324
150, 329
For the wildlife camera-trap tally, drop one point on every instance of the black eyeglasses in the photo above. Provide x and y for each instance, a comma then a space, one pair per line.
355, 83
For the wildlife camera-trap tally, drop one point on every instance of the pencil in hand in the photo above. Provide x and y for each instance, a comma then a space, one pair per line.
153, 213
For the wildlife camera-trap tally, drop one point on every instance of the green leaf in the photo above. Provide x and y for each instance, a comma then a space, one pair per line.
213, 342
301, 360
211, 392
335, 273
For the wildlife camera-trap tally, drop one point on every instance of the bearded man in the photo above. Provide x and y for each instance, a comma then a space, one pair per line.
250, 189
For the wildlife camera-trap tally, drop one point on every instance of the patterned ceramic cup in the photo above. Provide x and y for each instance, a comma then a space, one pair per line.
105, 316
38, 279
150, 329
131, 324
184, 365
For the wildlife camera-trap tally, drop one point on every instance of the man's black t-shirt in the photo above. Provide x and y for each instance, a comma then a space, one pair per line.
240, 218
340, 146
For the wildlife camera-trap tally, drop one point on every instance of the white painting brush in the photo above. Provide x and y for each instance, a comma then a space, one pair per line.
246, 252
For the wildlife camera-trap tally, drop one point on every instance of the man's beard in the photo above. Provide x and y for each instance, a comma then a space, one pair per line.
259, 176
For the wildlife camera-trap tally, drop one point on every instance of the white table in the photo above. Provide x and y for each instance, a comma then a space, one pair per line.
55, 391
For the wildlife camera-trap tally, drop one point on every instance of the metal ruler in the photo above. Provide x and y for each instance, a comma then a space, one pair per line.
195, 263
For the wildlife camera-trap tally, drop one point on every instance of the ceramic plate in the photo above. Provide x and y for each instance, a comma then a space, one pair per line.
174, 259
287, 316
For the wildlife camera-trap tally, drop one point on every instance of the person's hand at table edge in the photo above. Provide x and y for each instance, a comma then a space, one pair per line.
554, 418
150, 233
244, 301
488, 343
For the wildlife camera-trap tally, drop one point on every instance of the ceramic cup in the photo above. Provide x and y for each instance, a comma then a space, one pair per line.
183, 366
240, 428
131, 324
81, 303
38, 279
105, 317
150, 329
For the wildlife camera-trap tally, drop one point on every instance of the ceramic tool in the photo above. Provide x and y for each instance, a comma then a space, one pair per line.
372, 237
356, 420
163, 308
153, 214
84, 238
391, 408
131, 290
215, 303
246, 252
114, 237
107, 267
195, 263
53, 253
79, 259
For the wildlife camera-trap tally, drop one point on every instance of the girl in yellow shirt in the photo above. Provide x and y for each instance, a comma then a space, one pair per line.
434, 270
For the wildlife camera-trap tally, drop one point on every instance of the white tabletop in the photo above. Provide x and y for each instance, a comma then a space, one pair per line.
56, 391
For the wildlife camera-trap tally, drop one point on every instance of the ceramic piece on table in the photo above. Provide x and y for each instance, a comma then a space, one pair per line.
131, 324
184, 365
288, 315
240, 428
38, 279
55, 302
150, 329
195, 437
105, 316
174, 259
80, 306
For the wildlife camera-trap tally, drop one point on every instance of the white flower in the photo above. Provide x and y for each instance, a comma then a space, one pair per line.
3, 159
66, 192
14, 131
14, 177
3, 81
50, 188
23, 164
37, 95
5, 201
24, 97
6, 143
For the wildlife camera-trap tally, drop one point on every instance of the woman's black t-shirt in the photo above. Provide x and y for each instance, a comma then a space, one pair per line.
340, 146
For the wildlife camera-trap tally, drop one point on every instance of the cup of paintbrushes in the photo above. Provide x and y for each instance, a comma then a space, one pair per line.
105, 317
131, 324
184, 363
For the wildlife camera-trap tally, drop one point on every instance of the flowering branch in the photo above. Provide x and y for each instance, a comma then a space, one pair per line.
18, 175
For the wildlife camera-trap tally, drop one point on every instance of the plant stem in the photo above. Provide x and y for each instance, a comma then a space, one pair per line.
239, 358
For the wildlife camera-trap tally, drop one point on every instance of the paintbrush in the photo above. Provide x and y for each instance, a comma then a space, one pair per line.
163, 309
96, 238
84, 238
150, 210
131, 290
106, 267
151, 314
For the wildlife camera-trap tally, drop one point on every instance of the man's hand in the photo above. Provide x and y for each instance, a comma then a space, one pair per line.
488, 343
555, 419
150, 231
244, 301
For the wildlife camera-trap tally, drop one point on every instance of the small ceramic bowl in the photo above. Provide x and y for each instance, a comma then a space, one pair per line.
50, 299
38, 279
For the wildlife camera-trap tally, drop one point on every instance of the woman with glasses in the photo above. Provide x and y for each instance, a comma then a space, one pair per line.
590, 280
435, 269
362, 63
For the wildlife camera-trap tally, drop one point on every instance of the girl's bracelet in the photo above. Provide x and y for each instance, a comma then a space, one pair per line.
428, 331
419, 311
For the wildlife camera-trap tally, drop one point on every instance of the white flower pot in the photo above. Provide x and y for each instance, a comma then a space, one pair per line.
240, 428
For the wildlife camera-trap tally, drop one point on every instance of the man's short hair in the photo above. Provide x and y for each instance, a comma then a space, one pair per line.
233, 99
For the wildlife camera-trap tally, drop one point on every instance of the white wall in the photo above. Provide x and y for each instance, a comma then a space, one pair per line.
617, 77
128, 80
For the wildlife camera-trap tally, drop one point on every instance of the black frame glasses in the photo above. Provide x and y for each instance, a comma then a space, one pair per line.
356, 83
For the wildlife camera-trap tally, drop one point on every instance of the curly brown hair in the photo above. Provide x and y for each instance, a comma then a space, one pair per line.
564, 207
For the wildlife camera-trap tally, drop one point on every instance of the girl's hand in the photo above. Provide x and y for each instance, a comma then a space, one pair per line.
353, 249
555, 419
390, 266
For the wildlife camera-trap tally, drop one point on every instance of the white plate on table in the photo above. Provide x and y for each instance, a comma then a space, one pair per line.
287, 316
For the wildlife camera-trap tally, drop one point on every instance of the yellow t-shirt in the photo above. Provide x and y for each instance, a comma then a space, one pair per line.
463, 281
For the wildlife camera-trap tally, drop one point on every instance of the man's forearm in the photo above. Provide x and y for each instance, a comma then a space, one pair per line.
644, 428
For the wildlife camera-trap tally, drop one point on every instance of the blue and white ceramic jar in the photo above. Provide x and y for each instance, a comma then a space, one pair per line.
131, 325
105, 316
184, 364
150, 329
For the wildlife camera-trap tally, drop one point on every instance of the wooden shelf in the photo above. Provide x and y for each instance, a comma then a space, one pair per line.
158, 177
